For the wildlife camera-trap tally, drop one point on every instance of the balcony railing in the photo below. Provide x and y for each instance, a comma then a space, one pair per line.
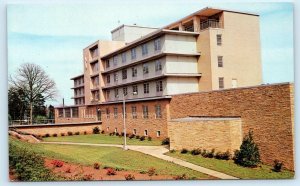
210, 23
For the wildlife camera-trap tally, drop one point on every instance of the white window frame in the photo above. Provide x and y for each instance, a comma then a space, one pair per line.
159, 86
134, 71
123, 55
158, 65
133, 53
146, 88
116, 93
157, 44
145, 68
144, 49
158, 111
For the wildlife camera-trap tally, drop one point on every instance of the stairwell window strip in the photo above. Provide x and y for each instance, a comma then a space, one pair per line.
219, 39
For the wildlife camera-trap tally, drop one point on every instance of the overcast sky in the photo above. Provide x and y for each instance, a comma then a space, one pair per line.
53, 35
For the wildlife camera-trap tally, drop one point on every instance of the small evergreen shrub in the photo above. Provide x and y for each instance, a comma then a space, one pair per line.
54, 135
142, 138
137, 137
84, 132
181, 177
277, 166
70, 133
196, 151
122, 133
96, 130
184, 151
211, 154
102, 132
117, 134
131, 136
77, 133
223, 155
248, 155
172, 151
151, 171
149, 138
62, 134
110, 171
47, 135
204, 153
129, 177
166, 141
96, 166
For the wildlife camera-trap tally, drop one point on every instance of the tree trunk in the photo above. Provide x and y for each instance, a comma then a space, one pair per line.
31, 113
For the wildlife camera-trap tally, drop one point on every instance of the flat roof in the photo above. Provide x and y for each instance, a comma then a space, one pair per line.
209, 11
147, 37
76, 77
123, 25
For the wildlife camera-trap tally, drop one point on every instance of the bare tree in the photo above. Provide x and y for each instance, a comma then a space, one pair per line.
34, 81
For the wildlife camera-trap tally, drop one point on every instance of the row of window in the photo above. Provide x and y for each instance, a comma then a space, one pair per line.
234, 83
78, 82
134, 71
144, 47
79, 101
135, 132
68, 112
159, 88
145, 113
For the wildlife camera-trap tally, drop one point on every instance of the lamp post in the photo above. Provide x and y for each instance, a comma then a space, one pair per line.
124, 121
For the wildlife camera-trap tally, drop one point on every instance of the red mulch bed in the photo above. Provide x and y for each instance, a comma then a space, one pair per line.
73, 171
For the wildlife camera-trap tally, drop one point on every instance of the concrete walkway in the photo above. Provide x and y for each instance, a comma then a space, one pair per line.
157, 151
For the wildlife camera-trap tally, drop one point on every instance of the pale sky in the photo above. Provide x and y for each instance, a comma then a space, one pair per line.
54, 35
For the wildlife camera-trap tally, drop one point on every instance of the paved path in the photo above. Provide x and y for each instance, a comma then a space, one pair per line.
157, 151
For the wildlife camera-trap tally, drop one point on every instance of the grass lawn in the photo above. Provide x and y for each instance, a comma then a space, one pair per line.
109, 156
102, 138
230, 168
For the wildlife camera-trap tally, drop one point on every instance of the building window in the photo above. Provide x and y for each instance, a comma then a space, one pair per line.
61, 113
219, 39
134, 115
107, 113
124, 74
95, 67
145, 68
125, 91
145, 111
107, 94
221, 82
157, 111
75, 112
133, 53
123, 112
108, 79
123, 57
107, 63
116, 77
115, 112
146, 133
116, 130
107, 129
157, 46
116, 93
220, 61
159, 86
67, 112
158, 133
134, 72
134, 131
158, 66
144, 49
115, 60
134, 89
94, 51
146, 88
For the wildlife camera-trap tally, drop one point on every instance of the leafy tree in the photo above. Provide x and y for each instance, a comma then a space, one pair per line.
17, 103
248, 155
34, 81
51, 112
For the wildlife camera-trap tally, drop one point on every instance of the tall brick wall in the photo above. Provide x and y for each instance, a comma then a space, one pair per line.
267, 110
218, 134
152, 124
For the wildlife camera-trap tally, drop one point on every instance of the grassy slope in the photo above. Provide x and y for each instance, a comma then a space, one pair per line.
102, 138
110, 156
230, 168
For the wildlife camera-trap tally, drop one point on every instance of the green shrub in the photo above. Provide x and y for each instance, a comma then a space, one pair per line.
54, 135
84, 132
149, 138
102, 132
196, 151
70, 133
184, 151
131, 136
28, 165
47, 135
248, 155
62, 134
211, 153
40, 119
204, 153
223, 155
166, 141
77, 133
96, 130
277, 166
151, 171
142, 138
137, 137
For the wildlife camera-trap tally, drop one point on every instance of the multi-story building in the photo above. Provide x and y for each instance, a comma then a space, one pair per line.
210, 49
